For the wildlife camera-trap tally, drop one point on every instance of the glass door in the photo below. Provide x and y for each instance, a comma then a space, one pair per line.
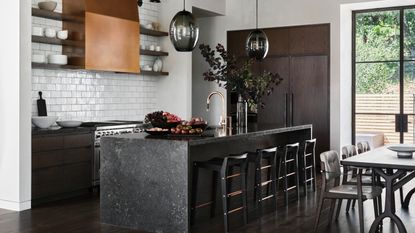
408, 24
377, 85
384, 74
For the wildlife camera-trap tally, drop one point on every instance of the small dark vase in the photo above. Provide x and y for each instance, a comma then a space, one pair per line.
241, 113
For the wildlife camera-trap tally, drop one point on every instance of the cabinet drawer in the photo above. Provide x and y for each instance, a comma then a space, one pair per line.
77, 176
75, 141
47, 159
78, 155
48, 176
41, 191
47, 143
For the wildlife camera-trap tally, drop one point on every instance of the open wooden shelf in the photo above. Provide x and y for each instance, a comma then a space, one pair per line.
150, 32
72, 67
54, 66
153, 53
55, 41
152, 73
56, 16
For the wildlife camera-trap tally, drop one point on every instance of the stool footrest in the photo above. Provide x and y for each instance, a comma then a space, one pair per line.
233, 175
266, 182
291, 188
267, 197
236, 193
266, 167
204, 204
235, 210
290, 160
291, 174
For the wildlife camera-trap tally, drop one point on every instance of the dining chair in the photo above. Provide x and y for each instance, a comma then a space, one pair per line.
334, 190
363, 147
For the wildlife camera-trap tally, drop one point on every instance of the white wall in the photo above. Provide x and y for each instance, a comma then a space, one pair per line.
15, 104
211, 32
175, 91
215, 6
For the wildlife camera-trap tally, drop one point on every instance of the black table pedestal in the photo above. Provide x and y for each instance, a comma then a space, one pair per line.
390, 208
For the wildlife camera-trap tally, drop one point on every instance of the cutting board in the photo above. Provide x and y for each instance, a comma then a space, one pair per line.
41, 106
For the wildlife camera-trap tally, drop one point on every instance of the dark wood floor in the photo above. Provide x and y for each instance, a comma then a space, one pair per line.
82, 216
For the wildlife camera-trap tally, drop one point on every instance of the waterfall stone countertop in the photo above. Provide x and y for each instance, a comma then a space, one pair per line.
214, 135
146, 180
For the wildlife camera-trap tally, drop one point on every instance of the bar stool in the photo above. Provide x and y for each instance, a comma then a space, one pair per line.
288, 167
223, 167
268, 156
309, 164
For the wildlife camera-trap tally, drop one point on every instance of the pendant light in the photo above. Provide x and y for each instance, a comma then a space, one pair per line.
257, 42
184, 31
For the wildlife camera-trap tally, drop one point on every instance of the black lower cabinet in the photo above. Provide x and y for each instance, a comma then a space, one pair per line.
61, 166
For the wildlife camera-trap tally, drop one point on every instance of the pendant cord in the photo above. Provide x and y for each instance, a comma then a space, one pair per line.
256, 14
184, 5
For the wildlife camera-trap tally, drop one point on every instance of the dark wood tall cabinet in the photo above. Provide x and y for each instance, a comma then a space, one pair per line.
301, 56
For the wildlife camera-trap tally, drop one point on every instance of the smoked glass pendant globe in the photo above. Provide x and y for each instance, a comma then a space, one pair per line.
257, 45
184, 31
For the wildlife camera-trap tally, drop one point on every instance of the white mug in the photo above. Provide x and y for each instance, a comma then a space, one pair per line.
152, 47
63, 35
158, 48
51, 33
38, 31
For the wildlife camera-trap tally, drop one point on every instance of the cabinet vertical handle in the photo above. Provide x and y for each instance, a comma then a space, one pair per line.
285, 110
292, 109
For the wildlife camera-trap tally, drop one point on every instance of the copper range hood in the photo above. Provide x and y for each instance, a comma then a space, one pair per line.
110, 32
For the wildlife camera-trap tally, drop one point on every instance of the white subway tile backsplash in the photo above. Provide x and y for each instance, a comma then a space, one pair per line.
95, 96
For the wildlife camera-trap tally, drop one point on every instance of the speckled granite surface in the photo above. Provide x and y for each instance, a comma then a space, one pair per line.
139, 188
145, 180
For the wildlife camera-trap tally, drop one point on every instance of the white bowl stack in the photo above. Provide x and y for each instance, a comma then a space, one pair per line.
44, 122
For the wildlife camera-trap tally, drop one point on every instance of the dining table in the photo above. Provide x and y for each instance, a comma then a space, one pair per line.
395, 171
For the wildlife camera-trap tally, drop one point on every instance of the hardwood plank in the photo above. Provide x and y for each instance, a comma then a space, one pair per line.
81, 215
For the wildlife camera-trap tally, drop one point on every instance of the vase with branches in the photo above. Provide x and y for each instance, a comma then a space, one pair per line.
238, 77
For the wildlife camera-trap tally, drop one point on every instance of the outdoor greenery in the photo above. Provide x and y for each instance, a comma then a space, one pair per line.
378, 51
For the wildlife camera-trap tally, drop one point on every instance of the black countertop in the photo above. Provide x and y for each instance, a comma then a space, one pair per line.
56, 130
215, 135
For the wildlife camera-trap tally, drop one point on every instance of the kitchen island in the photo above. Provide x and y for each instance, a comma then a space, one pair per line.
146, 180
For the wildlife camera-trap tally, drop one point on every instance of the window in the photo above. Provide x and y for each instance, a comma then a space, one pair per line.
384, 74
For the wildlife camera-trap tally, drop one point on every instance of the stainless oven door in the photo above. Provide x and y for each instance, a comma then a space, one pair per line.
96, 166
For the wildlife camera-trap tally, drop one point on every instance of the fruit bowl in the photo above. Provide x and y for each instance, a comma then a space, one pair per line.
161, 119
200, 126
196, 123
165, 125
157, 131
